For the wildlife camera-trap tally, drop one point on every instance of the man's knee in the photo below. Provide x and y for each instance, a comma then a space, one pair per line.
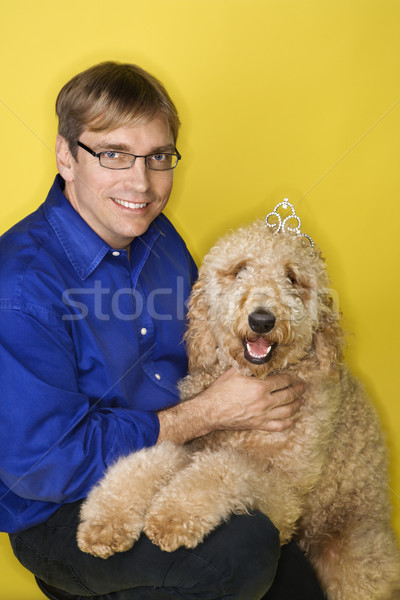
238, 559
255, 551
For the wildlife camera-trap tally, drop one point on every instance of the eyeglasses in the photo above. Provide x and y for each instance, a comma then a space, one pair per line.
114, 159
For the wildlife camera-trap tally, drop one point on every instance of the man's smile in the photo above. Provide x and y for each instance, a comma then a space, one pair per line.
131, 205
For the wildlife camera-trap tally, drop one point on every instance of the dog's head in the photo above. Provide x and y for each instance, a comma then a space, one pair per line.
262, 302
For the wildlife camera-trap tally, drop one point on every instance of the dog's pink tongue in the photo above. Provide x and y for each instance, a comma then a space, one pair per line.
260, 346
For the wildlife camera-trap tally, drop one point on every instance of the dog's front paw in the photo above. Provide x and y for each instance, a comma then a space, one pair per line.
104, 537
173, 521
172, 531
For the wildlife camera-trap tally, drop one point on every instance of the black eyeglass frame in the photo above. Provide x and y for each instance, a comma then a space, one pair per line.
134, 157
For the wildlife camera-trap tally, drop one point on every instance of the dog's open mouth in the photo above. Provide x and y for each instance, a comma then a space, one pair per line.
259, 350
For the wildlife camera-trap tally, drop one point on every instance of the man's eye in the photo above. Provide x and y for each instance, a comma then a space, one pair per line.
111, 154
159, 157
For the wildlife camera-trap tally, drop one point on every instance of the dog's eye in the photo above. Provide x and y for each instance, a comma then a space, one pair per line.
239, 268
233, 271
291, 276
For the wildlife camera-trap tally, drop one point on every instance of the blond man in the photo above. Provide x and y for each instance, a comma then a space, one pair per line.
93, 287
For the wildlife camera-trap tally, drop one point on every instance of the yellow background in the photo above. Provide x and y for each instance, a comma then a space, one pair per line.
296, 98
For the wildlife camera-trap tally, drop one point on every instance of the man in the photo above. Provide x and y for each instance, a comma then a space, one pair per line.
93, 288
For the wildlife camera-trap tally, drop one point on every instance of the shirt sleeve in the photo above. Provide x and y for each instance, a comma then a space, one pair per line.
55, 442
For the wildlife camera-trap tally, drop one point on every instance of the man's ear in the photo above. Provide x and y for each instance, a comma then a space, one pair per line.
64, 159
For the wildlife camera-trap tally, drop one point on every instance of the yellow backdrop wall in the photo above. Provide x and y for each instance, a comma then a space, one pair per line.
278, 98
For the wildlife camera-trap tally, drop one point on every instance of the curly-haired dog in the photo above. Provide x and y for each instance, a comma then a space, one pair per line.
262, 304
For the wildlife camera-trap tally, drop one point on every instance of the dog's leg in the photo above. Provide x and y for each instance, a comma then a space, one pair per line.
362, 562
215, 485
112, 516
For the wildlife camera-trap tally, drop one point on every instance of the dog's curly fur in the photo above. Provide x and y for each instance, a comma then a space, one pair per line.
323, 483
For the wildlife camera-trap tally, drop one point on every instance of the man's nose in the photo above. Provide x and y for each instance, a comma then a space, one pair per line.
139, 175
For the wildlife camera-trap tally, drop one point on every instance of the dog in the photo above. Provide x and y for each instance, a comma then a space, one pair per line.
263, 304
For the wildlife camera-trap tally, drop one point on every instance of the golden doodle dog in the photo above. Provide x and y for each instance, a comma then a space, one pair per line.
262, 304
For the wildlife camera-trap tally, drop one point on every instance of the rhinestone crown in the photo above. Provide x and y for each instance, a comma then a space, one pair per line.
290, 223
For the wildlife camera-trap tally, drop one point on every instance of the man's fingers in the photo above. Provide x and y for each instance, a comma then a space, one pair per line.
284, 411
287, 396
279, 426
283, 381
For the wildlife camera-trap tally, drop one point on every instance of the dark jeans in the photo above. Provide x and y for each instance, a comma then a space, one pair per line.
236, 561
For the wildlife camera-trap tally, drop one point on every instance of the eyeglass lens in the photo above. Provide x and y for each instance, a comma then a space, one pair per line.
121, 160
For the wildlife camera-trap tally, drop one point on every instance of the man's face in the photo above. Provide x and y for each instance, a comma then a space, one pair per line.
96, 193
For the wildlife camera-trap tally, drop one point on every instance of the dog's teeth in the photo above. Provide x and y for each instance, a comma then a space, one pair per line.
254, 355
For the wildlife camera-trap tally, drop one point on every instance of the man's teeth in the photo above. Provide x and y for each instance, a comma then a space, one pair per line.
254, 355
129, 204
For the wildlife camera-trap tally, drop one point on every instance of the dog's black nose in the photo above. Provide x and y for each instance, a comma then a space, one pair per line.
261, 321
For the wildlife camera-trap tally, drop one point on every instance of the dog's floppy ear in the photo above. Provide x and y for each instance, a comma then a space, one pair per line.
328, 338
200, 341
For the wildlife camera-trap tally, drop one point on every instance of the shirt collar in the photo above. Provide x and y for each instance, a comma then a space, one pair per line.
83, 247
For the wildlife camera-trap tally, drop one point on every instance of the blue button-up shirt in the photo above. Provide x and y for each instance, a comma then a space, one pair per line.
90, 348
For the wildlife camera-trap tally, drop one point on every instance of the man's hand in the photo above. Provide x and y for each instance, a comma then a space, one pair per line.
235, 402
249, 403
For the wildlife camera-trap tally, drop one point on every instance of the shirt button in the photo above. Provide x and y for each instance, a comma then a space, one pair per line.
116, 253
143, 331
157, 376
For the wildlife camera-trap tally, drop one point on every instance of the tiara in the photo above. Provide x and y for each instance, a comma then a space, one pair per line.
282, 224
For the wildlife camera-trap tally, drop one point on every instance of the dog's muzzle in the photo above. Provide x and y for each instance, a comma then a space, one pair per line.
258, 350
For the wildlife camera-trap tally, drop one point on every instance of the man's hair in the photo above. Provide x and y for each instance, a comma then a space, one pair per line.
110, 95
